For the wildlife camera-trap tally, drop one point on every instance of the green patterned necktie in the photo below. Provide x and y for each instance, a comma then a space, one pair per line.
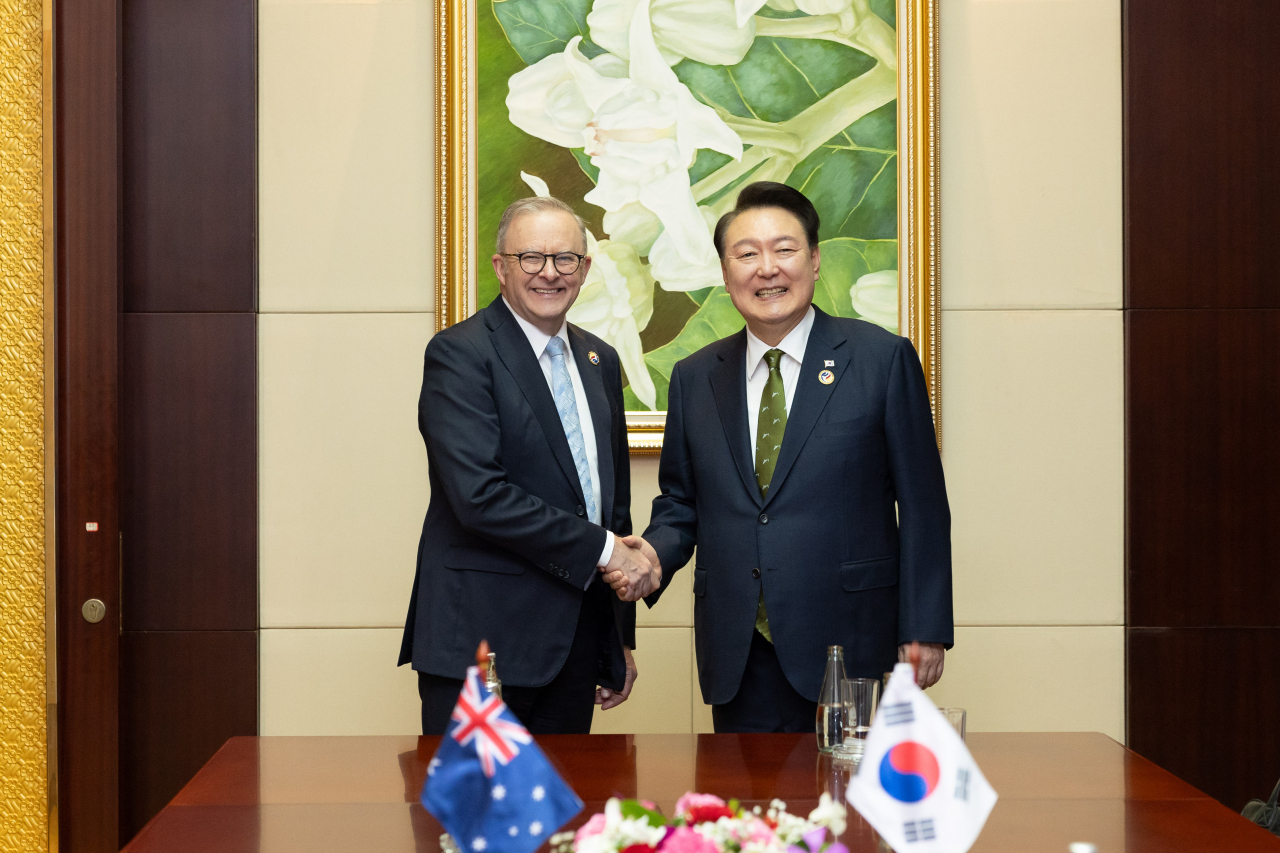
770, 426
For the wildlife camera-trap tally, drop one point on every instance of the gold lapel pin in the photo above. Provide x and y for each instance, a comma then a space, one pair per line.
826, 377
595, 359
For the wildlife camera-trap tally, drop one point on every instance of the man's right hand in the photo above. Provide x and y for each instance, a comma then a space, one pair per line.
631, 572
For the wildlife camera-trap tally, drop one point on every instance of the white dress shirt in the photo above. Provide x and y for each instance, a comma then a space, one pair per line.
793, 347
538, 340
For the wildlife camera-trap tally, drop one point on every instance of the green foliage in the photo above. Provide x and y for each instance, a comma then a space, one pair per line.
537, 29
844, 261
777, 79
716, 319
632, 809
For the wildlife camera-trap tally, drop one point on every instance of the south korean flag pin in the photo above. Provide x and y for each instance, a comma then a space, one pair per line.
595, 359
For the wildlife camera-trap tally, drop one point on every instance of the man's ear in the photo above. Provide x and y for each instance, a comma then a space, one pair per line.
816, 254
500, 268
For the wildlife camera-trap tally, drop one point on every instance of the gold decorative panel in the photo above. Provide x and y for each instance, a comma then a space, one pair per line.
23, 748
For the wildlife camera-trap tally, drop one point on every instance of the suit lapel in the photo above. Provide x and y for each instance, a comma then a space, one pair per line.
601, 419
729, 385
514, 350
811, 395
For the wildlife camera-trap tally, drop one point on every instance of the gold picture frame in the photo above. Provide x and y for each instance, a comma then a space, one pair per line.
918, 189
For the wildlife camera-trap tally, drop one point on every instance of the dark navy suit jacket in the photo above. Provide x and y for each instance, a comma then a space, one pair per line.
853, 544
506, 547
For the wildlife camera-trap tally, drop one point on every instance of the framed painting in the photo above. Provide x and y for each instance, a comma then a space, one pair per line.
648, 116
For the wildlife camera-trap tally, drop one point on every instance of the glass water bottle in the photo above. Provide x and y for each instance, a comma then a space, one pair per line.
831, 704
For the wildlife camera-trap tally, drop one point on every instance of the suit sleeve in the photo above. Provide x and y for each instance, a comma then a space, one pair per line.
673, 525
924, 517
624, 611
458, 419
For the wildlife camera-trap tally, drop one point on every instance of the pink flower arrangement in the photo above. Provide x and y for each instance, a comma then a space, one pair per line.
704, 823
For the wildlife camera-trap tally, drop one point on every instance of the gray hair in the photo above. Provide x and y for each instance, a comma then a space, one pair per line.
535, 204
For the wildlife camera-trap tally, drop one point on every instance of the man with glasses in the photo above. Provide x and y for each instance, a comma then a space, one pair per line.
530, 495
800, 459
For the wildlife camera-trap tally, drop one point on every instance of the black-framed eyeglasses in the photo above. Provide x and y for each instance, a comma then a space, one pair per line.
566, 263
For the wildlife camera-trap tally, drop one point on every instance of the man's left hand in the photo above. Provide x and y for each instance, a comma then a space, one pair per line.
607, 698
931, 659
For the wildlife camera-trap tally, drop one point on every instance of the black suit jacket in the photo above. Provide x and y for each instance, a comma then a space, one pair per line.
853, 544
506, 547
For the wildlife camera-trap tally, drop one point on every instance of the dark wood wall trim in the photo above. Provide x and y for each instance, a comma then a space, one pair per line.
1202, 325
189, 425
87, 177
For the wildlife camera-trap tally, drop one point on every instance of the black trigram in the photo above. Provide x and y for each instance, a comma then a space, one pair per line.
898, 714
921, 830
962, 784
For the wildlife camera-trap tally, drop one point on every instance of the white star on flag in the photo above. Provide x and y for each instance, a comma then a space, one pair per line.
538, 793
917, 785
478, 844
432, 765
513, 831
535, 828
498, 792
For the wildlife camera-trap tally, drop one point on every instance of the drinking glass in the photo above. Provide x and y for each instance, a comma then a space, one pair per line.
956, 717
861, 696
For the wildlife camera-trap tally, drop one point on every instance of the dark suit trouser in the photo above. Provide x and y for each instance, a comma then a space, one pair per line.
765, 701
562, 706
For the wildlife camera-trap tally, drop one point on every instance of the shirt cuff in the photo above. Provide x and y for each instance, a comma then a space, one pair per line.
605, 556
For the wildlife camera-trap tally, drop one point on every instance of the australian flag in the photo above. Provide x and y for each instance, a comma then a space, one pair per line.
489, 784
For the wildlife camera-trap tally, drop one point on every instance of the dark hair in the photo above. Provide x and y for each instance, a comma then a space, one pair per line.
770, 194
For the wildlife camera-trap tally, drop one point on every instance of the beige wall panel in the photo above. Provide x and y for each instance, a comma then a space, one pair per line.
340, 681
1037, 679
345, 156
342, 469
659, 702
1031, 154
675, 608
1033, 445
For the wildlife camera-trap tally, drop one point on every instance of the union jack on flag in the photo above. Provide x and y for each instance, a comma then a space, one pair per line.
480, 721
489, 783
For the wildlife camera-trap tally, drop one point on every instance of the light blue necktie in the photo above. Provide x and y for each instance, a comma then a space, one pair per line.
567, 406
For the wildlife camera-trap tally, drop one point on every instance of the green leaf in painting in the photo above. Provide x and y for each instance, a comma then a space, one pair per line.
852, 180
844, 261
716, 319
537, 28
778, 77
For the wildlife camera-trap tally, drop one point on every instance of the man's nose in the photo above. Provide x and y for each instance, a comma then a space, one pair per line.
549, 271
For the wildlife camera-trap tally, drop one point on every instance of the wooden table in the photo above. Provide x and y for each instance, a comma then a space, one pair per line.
317, 794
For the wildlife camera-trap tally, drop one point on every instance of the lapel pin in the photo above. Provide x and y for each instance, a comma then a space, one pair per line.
826, 362
826, 377
595, 359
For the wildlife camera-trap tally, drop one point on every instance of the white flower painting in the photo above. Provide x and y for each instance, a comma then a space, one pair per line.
648, 116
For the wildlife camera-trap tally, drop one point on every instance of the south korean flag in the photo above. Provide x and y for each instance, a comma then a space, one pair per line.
917, 784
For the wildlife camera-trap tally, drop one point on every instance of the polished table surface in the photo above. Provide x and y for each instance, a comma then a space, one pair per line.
320, 794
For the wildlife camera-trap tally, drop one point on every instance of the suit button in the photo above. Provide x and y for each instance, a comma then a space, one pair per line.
764, 518
755, 573
581, 511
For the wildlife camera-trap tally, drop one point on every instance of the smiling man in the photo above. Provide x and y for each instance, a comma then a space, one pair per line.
526, 438
800, 460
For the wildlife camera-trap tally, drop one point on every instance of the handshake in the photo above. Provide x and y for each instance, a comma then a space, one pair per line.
633, 570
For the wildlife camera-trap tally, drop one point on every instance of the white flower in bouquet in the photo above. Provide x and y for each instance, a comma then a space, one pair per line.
829, 813
642, 130
703, 30
875, 297
812, 7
